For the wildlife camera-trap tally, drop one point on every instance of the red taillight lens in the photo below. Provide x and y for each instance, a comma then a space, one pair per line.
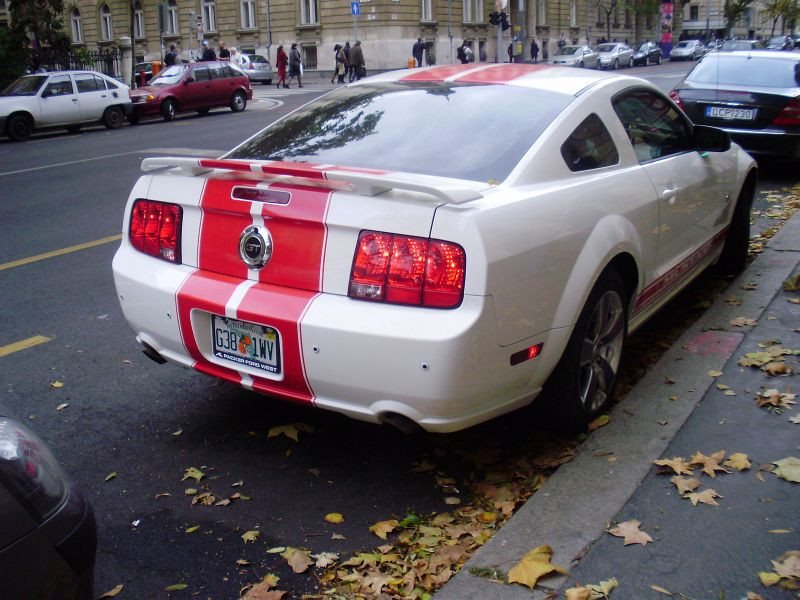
790, 115
677, 99
407, 270
155, 229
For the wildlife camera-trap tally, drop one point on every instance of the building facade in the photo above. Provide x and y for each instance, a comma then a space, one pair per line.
386, 28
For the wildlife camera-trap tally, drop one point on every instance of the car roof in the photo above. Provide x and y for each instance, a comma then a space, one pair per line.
71, 72
566, 80
771, 54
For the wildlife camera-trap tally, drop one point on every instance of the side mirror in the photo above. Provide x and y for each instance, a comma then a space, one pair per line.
711, 139
46, 94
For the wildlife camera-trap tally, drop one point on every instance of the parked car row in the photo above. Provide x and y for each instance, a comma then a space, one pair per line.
73, 99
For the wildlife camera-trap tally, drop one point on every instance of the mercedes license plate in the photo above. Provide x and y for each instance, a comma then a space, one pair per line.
248, 344
725, 112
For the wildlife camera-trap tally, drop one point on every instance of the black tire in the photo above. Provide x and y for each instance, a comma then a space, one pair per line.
616, 64
733, 258
113, 117
133, 119
582, 385
203, 111
74, 128
168, 109
581, 65
19, 127
238, 101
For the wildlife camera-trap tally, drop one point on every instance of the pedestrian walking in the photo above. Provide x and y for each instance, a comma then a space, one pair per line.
336, 49
346, 51
224, 53
417, 51
281, 62
464, 52
534, 50
208, 53
171, 56
357, 60
295, 66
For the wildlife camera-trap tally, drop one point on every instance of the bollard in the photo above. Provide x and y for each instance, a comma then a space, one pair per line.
411, 63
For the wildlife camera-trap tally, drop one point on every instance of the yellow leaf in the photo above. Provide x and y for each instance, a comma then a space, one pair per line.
788, 469
242, 562
677, 464
768, 579
715, 373
486, 517
658, 588
754, 596
175, 587
704, 497
382, 528
685, 485
578, 593
62, 406
56, 385
192, 529
780, 531
112, 592
710, 463
334, 518
452, 500
738, 461
629, 530
599, 422
193, 473
298, 559
111, 475
190, 491
250, 536
534, 565
290, 431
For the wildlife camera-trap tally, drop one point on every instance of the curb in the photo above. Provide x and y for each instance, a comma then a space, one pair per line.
573, 507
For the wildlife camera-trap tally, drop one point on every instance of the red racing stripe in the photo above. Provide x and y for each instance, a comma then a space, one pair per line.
438, 73
501, 73
223, 221
294, 169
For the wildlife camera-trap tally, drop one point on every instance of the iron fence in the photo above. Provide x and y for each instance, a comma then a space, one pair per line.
105, 60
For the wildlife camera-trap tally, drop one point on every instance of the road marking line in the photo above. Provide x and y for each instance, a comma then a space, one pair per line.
54, 253
23, 344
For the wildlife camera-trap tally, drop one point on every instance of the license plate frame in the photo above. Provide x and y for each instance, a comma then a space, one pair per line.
245, 344
730, 113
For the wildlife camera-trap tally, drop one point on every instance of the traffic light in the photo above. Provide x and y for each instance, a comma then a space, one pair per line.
504, 21
494, 18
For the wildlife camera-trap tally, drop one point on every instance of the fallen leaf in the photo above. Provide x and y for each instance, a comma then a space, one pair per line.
298, 560
290, 431
250, 536
111, 476
534, 565
599, 422
276, 550
788, 469
334, 518
193, 473
382, 528
776, 398
768, 579
243, 562
677, 464
750, 285
794, 300
733, 301
738, 461
792, 284
710, 464
62, 406
704, 497
192, 529
592, 592
753, 596
685, 485
337, 536
658, 588
177, 432
112, 592
744, 322
239, 483
629, 530
56, 385
223, 502
175, 587
452, 500
324, 559
780, 531
788, 565
263, 591
190, 491
795, 419
715, 373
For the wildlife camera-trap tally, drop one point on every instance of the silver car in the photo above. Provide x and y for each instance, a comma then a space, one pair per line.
687, 50
614, 56
257, 67
576, 56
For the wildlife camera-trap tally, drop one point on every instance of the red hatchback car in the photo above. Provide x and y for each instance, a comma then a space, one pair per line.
198, 86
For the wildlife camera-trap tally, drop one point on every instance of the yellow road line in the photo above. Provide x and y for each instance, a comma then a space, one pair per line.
54, 253
23, 344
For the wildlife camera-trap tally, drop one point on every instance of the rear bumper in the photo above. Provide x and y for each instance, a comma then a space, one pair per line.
443, 369
766, 142
259, 75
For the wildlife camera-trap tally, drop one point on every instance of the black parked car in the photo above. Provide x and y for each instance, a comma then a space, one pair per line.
47, 528
780, 42
648, 54
754, 96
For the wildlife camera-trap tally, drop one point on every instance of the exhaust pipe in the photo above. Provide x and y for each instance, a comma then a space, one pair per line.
151, 353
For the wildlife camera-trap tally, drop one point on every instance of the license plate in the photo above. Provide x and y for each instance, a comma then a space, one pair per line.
724, 112
247, 344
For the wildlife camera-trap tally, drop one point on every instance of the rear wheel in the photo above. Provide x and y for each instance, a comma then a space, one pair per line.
616, 64
113, 117
238, 102
582, 385
19, 127
737, 243
581, 65
168, 109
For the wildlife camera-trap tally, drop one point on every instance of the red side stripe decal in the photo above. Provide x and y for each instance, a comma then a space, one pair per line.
675, 275
438, 73
294, 169
502, 73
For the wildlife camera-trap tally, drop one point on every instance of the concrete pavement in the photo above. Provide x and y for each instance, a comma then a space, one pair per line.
699, 552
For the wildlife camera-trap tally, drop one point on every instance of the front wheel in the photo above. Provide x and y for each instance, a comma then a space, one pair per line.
19, 128
658, 59
113, 117
582, 385
168, 109
737, 242
580, 65
616, 64
238, 102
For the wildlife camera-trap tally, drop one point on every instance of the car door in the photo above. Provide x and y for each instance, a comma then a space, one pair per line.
197, 93
221, 84
59, 102
92, 96
690, 186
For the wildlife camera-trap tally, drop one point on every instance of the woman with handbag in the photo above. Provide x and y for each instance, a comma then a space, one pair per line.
281, 62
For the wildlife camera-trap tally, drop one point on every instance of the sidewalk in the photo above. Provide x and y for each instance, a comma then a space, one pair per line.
698, 552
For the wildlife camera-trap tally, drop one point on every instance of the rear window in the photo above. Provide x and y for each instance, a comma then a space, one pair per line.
761, 71
474, 132
257, 58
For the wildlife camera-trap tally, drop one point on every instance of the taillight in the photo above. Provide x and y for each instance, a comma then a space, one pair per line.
677, 99
155, 229
790, 115
407, 270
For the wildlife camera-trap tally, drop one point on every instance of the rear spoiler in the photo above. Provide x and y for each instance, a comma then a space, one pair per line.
375, 181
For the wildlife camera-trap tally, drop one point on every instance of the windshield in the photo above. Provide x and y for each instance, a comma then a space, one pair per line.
415, 128
605, 48
568, 50
777, 40
170, 75
746, 70
644, 47
683, 45
25, 86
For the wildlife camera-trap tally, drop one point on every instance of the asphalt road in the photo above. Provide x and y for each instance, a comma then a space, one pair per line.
149, 423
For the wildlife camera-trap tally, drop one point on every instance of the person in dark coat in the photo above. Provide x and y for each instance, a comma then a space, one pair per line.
534, 50
418, 50
208, 53
171, 57
224, 53
346, 50
294, 66
357, 60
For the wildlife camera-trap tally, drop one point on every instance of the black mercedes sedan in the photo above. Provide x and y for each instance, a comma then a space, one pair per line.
47, 527
754, 96
647, 54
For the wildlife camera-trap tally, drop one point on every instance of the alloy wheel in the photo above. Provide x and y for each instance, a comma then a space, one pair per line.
601, 351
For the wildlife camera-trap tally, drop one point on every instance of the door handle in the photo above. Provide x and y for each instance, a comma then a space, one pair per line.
669, 195
74, 99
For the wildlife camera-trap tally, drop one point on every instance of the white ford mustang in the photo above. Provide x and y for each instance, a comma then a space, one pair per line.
434, 246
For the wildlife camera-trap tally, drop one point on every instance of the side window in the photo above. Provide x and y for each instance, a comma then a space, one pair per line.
59, 85
653, 126
111, 85
590, 146
100, 82
201, 74
231, 72
219, 72
85, 82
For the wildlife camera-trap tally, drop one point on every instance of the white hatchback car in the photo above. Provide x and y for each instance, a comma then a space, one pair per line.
346, 258
614, 55
576, 56
62, 99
